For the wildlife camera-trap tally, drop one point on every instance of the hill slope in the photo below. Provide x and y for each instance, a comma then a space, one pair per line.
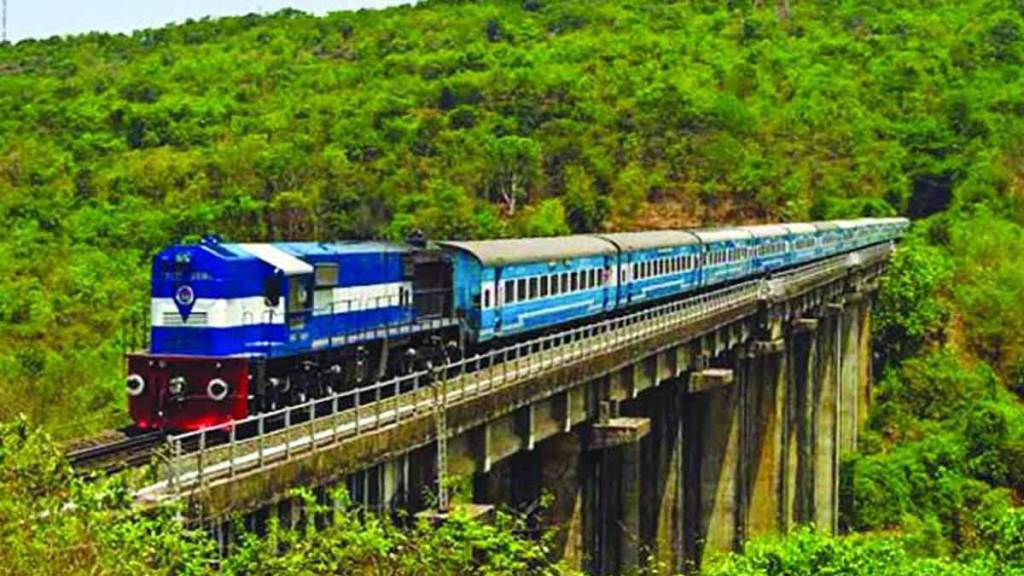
467, 119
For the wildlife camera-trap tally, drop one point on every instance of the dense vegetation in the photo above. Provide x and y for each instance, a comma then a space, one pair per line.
467, 119
529, 117
55, 522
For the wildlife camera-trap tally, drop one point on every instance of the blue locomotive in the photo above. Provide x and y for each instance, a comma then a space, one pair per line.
239, 328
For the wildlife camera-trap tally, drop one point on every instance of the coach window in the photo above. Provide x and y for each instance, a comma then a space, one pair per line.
510, 291
533, 287
555, 288
543, 286
565, 282
521, 289
487, 298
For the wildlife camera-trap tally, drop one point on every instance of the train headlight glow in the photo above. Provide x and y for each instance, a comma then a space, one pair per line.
176, 385
217, 389
135, 385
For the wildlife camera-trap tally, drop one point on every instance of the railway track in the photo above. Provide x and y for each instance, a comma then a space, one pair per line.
116, 455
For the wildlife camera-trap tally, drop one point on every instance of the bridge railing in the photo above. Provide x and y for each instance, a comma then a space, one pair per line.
220, 452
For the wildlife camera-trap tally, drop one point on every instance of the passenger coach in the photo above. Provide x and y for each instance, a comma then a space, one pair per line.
509, 287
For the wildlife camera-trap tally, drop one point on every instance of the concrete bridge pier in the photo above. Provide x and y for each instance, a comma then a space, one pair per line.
766, 471
712, 435
615, 544
798, 444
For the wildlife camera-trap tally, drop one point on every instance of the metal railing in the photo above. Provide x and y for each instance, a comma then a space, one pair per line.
193, 460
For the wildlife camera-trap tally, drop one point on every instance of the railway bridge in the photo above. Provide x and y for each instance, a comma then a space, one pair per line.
666, 434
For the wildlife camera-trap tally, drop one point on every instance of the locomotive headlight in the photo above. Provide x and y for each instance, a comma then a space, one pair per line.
135, 385
217, 389
176, 385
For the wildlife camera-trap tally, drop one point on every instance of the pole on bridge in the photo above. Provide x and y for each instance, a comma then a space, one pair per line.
441, 427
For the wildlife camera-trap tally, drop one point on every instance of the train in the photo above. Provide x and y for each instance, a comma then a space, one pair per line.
239, 328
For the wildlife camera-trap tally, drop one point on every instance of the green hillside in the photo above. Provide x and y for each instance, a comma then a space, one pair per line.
468, 119
539, 117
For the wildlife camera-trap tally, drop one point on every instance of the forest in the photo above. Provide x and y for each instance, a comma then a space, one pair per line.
536, 117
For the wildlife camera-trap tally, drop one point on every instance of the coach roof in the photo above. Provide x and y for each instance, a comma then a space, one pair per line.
520, 250
631, 241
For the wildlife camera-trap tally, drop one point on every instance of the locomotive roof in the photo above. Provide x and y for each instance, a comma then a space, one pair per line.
289, 256
630, 241
333, 248
519, 250
278, 258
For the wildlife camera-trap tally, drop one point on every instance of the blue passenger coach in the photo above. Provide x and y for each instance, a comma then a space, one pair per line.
727, 254
803, 242
770, 247
656, 264
509, 287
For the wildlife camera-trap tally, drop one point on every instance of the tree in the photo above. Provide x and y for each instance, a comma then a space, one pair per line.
513, 167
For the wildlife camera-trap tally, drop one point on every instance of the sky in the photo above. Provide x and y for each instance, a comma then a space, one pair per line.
45, 18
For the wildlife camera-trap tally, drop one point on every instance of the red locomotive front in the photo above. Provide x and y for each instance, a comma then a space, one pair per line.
187, 392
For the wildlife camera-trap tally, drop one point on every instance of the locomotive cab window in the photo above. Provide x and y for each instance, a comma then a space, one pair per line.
299, 295
327, 275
